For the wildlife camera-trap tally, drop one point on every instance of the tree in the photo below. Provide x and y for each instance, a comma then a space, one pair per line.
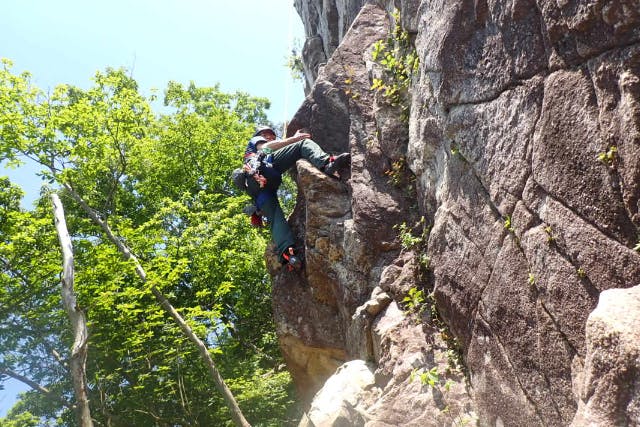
160, 185
78, 359
33, 330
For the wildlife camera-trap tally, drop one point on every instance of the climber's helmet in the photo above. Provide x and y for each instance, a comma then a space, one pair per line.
261, 130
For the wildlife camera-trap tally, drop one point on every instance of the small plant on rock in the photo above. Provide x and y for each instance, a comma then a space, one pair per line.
430, 378
399, 61
507, 224
348, 81
407, 239
424, 261
454, 349
397, 172
608, 157
433, 380
415, 301
550, 236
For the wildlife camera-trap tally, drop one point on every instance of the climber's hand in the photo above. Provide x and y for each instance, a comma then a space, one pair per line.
300, 135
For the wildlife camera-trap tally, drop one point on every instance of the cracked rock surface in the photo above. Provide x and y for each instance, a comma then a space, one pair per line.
522, 152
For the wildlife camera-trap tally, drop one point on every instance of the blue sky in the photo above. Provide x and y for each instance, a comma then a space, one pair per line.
242, 45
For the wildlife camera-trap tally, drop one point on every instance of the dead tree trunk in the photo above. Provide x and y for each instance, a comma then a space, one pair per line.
232, 404
76, 316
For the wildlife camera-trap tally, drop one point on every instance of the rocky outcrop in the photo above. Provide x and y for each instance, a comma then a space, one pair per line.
522, 151
326, 22
338, 402
608, 388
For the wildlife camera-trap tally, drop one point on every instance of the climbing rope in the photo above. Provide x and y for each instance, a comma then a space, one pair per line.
287, 84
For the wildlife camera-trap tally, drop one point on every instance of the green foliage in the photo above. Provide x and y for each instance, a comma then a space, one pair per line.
454, 349
32, 322
399, 175
350, 71
295, 63
430, 378
507, 224
407, 239
410, 241
287, 193
22, 419
399, 61
414, 301
550, 236
424, 261
161, 182
435, 380
608, 157
397, 172
274, 411
417, 301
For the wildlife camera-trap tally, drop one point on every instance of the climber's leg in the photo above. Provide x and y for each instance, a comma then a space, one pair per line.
286, 157
280, 231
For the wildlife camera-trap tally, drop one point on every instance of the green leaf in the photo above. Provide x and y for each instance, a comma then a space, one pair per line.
161, 183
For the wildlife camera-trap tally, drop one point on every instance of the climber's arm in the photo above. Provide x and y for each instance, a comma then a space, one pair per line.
279, 143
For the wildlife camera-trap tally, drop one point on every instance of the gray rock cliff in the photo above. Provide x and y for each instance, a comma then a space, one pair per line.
521, 149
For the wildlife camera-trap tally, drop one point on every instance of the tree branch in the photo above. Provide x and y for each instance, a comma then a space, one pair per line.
76, 316
35, 386
236, 413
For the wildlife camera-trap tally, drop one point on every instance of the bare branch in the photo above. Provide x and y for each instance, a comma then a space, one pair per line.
236, 413
76, 316
35, 386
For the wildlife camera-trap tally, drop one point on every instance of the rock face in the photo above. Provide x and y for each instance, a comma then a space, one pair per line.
522, 152
326, 22
609, 388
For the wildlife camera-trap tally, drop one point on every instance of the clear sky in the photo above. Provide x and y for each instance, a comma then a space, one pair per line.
242, 45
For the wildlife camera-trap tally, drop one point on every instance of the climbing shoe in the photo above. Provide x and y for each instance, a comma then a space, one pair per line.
290, 259
336, 163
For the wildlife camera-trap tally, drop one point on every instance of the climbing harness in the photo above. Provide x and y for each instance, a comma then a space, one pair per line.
254, 166
257, 174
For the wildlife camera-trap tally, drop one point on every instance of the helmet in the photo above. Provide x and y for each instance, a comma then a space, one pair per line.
262, 129
257, 140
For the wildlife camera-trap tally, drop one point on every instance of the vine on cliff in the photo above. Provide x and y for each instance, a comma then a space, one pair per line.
399, 60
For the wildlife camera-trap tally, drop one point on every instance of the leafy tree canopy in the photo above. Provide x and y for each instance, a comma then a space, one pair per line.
160, 180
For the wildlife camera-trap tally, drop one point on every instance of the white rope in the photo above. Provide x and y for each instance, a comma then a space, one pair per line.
287, 84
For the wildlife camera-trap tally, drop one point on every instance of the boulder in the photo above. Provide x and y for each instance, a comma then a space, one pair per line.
338, 403
608, 385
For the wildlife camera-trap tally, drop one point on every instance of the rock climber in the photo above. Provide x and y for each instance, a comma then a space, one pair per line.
266, 158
